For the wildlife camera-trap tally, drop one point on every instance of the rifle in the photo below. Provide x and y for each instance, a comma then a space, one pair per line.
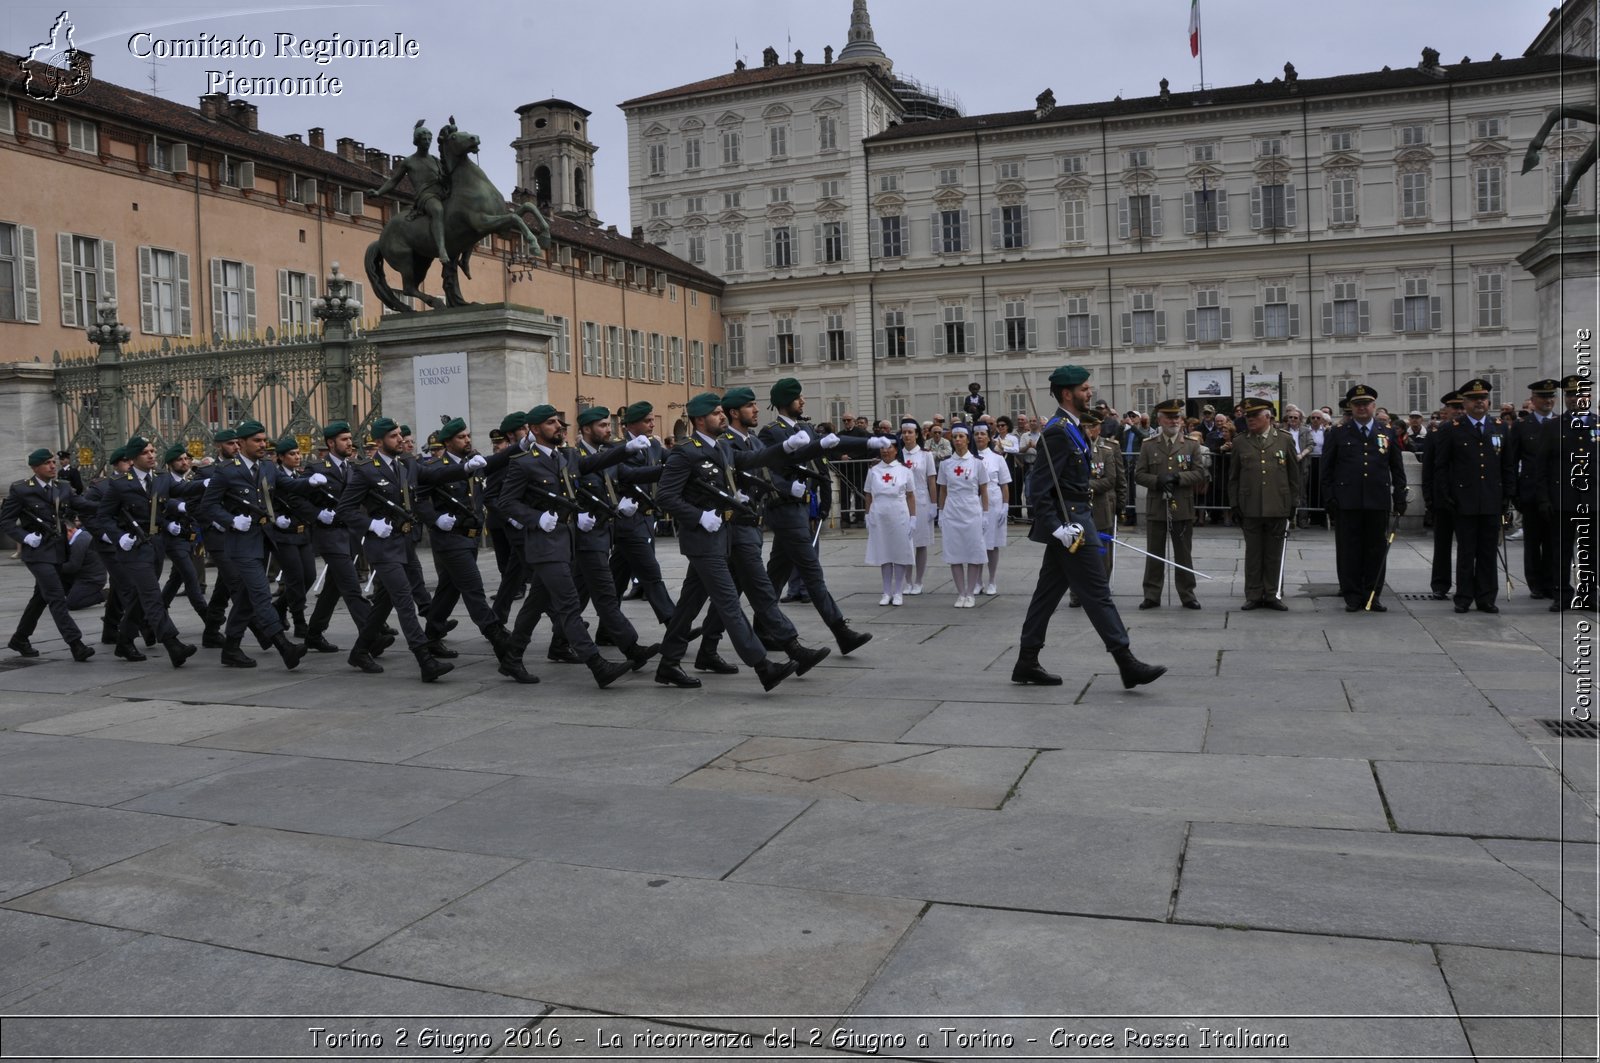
593, 501
719, 498
749, 479
646, 503
570, 505
45, 528
407, 519
248, 507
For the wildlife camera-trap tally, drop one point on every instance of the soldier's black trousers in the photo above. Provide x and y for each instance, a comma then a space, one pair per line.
184, 575
633, 556
750, 576
1444, 538
48, 592
252, 601
1477, 558
1359, 542
458, 581
141, 593
710, 579
399, 581
1541, 546
340, 583
552, 591
790, 526
1084, 573
594, 583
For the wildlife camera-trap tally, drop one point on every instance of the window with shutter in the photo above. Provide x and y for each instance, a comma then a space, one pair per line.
19, 273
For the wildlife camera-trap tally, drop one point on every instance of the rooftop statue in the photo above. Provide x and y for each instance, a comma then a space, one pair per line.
1580, 166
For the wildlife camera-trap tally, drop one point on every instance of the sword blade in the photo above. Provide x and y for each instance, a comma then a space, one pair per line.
1154, 557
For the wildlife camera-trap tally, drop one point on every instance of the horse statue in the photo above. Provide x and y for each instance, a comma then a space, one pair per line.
473, 209
1580, 166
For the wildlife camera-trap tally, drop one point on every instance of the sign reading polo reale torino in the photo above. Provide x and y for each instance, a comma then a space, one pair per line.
440, 386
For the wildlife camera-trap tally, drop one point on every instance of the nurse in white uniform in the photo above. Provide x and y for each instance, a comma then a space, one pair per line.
891, 521
923, 470
999, 488
963, 503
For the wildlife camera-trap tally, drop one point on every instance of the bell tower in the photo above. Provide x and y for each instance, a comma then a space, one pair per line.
555, 160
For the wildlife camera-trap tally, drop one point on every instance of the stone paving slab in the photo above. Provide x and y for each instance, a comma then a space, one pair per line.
1056, 863
597, 754
1542, 679
1300, 791
321, 900
34, 949
1566, 871
1366, 736
1237, 663
1164, 981
1404, 693
94, 771
1491, 987
627, 942
879, 720
44, 842
289, 726
19, 707
1483, 800
340, 798
198, 681
866, 771
163, 722
1405, 887
1089, 725
609, 825
386, 738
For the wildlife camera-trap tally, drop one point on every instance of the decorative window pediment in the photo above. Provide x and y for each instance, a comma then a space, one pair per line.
780, 212
1274, 170
776, 112
889, 203
1205, 176
731, 217
827, 103
731, 118
1487, 151
949, 198
1011, 188
1343, 159
1413, 157
1074, 185
690, 125
656, 129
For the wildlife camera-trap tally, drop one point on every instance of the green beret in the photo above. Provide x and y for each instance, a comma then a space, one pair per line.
405, 431
174, 452
335, 429
251, 428
542, 413
450, 429
383, 426
39, 457
117, 455
286, 444
637, 412
593, 414
785, 391
703, 404
736, 397
513, 421
1068, 376
226, 435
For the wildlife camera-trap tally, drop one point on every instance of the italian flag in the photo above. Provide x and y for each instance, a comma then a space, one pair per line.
1194, 27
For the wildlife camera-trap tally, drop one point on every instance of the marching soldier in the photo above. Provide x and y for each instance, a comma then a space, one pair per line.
1571, 474
1444, 523
111, 619
699, 491
507, 540
129, 514
290, 536
745, 559
238, 498
380, 499
1531, 441
181, 535
789, 513
1169, 471
454, 512
537, 495
1363, 479
35, 513
336, 544
1059, 497
1476, 476
633, 556
215, 537
1264, 483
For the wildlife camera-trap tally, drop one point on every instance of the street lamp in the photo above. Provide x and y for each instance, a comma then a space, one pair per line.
1166, 382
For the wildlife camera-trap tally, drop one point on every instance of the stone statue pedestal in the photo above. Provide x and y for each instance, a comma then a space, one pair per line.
1565, 263
475, 362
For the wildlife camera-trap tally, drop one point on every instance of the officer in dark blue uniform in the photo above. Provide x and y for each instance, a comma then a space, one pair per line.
1061, 503
297, 561
1444, 523
1571, 483
633, 555
1363, 480
334, 543
1476, 477
181, 535
506, 539
1531, 439
48, 504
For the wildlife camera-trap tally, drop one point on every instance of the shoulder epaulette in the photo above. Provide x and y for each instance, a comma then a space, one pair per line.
236, 461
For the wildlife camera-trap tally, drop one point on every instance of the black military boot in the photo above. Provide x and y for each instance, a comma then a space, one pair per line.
360, 658
639, 655
108, 634
771, 672
671, 673
804, 657
212, 638
380, 643
438, 649
80, 652
709, 660
315, 640
512, 668
291, 652
1134, 671
499, 638
301, 631
432, 667
149, 634
1028, 670
178, 651
22, 647
607, 672
129, 652
234, 657
562, 653
850, 640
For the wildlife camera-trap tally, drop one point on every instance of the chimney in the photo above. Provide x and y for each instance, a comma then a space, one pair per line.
212, 103
1044, 103
1166, 93
769, 56
799, 57
738, 65
378, 159
638, 232
292, 136
242, 113
351, 150
827, 56
314, 135
82, 62
1430, 60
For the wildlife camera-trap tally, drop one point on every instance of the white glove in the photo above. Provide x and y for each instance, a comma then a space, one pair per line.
476, 462
174, 529
183, 507
741, 496
326, 516
445, 521
879, 442
317, 479
913, 520
830, 441
206, 482
798, 489
514, 522
802, 438
242, 522
585, 522
381, 528
638, 443
127, 542
1064, 534
105, 539
710, 521
33, 539
282, 522
627, 507
548, 521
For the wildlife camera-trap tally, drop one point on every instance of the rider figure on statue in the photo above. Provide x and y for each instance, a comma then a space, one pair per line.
430, 182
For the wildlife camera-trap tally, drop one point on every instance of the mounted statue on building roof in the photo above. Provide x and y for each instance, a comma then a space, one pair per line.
1580, 166
456, 205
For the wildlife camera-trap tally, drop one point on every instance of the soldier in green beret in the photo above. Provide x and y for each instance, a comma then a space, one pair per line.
337, 545
216, 543
181, 536
296, 558
35, 513
506, 539
633, 554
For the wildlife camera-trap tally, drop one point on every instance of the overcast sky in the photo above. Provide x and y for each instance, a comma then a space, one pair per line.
481, 59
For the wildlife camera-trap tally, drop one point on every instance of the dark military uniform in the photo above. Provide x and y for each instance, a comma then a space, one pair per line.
1531, 442
1106, 481
179, 546
1444, 522
1476, 476
1363, 479
131, 510
1264, 484
1571, 484
460, 505
297, 561
633, 547
48, 504
338, 546
1169, 513
593, 548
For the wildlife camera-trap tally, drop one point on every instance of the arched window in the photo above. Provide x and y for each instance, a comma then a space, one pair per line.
579, 189
541, 185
